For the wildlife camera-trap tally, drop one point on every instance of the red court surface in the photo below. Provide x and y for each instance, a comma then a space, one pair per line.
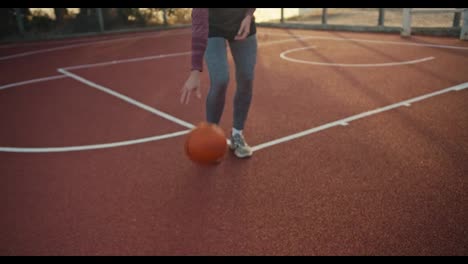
361, 148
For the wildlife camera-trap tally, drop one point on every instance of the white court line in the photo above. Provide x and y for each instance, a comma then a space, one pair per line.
345, 121
93, 65
159, 56
294, 38
266, 33
55, 42
372, 41
104, 89
127, 60
79, 39
93, 147
284, 57
128, 99
32, 81
85, 44
261, 146
460, 87
281, 41
60, 41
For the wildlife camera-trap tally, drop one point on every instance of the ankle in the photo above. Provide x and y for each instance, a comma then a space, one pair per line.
236, 131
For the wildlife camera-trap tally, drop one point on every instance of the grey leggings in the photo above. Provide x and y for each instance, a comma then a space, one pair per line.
245, 56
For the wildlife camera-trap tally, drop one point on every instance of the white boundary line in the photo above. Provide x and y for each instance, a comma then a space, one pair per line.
266, 33
342, 122
160, 56
268, 43
49, 78
93, 147
80, 39
345, 121
293, 38
109, 91
92, 65
127, 60
86, 44
370, 41
127, 99
284, 57
54, 42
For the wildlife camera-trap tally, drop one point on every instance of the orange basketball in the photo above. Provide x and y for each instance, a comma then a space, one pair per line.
206, 144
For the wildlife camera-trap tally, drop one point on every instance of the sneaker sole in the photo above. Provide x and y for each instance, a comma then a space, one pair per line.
243, 156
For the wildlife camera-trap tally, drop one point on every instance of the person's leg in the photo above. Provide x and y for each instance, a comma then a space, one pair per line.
245, 57
218, 68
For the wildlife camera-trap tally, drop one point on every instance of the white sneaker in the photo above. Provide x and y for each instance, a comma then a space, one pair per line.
240, 147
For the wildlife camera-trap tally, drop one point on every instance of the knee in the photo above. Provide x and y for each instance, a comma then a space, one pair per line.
245, 76
220, 81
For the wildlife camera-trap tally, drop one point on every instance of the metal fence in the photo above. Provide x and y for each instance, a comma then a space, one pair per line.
430, 21
46, 23
17, 24
411, 16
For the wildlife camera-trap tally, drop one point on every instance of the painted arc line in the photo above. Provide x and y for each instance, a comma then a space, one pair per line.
128, 99
160, 56
284, 57
389, 42
347, 120
265, 33
148, 58
282, 41
118, 39
94, 147
456, 88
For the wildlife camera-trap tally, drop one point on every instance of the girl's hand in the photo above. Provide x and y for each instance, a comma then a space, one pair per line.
192, 84
244, 29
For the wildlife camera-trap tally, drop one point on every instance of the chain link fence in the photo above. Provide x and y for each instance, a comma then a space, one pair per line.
46, 23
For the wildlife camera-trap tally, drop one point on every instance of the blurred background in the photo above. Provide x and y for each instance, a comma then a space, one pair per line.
45, 23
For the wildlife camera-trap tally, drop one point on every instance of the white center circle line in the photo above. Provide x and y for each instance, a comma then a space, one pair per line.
284, 57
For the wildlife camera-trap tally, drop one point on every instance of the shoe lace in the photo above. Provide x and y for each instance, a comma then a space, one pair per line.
239, 140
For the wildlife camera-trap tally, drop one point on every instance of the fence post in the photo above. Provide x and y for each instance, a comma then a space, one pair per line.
100, 19
324, 16
406, 32
456, 19
464, 30
282, 16
381, 16
165, 16
19, 20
